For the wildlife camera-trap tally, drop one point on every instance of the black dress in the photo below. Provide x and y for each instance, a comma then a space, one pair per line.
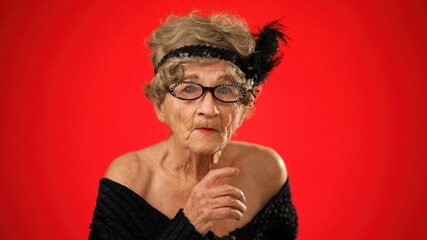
122, 214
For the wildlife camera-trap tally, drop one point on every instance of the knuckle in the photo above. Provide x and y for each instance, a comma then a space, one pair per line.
228, 188
230, 211
212, 172
199, 194
204, 214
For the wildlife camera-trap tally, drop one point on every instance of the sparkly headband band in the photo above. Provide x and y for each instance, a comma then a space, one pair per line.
204, 51
255, 67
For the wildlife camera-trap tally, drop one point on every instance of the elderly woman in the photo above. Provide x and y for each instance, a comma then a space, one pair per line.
198, 184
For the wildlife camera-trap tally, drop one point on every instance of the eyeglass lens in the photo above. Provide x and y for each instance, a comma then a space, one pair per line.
192, 91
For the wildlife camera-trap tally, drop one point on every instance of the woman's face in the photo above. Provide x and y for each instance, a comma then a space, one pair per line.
204, 125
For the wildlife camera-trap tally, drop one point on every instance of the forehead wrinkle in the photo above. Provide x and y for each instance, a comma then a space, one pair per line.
190, 77
223, 78
201, 72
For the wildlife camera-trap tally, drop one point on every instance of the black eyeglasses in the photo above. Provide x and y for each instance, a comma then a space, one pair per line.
228, 93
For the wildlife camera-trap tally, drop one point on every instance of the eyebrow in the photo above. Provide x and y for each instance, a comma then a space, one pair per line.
191, 77
221, 79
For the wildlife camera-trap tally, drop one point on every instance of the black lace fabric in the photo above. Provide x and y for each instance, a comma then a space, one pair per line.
122, 214
277, 220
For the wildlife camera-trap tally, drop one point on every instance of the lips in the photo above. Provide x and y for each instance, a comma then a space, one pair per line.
206, 131
207, 128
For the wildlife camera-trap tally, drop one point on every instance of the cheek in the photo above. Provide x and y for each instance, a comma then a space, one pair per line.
233, 120
179, 120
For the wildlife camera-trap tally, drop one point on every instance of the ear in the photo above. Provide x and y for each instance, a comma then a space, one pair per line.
160, 112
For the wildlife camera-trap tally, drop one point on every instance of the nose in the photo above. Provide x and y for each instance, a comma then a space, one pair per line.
207, 106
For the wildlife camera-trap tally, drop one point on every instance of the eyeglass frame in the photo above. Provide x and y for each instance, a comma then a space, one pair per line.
211, 90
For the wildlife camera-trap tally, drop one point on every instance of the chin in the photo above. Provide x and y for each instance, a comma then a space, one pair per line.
205, 148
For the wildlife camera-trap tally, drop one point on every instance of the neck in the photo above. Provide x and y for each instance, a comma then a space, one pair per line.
185, 164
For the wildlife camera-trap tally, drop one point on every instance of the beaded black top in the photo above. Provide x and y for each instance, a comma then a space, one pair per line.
122, 214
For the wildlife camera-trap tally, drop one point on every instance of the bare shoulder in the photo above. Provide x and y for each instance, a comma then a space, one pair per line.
129, 170
261, 165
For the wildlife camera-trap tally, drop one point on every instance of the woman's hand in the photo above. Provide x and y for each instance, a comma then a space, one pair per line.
211, 201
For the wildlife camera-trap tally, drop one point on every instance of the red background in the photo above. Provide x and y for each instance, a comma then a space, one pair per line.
347, 110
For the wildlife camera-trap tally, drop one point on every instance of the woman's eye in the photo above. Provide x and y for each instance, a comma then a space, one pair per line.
225, 90
189, 89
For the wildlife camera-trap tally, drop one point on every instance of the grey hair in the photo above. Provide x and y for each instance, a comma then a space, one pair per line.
224, 31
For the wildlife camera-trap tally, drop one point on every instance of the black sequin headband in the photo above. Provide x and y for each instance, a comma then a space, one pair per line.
256, 67
204, 51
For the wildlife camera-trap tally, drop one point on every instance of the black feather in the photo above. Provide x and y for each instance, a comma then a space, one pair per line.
266, 55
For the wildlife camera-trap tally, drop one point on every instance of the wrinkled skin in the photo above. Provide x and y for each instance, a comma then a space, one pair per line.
200, 131
203, 126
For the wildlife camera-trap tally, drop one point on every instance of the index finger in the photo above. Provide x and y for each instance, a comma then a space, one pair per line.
214, 176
